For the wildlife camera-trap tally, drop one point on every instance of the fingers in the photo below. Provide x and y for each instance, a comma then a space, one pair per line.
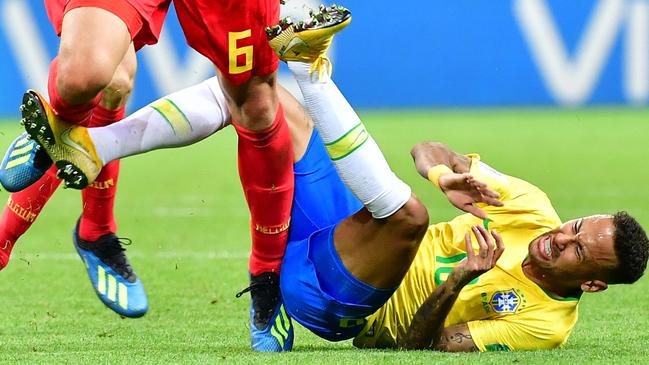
482, 244
500, 246
489, 196
472, 209
486, 246
469, 246
492, 201
477, 183
489, 251
488, 193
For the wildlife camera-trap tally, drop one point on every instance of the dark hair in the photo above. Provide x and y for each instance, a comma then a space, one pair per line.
631, 248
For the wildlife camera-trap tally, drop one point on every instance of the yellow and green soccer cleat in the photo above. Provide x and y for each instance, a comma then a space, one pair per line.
308, 41
68, 145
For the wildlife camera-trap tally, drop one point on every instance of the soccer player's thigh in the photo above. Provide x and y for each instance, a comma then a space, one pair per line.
232, 35
93, 43
379, 252
96, 36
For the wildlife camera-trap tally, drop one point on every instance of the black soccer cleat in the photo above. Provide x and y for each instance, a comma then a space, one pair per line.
271, 329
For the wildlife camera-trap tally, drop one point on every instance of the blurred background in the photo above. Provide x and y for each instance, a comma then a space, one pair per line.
553, 91
412, 53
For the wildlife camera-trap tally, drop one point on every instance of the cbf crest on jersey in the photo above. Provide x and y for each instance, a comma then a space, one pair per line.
505, 301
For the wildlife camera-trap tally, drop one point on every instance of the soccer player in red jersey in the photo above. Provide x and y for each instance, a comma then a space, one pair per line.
247, 70
232, 34
89, 83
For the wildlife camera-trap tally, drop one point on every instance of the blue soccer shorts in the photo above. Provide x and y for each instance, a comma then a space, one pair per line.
318, 291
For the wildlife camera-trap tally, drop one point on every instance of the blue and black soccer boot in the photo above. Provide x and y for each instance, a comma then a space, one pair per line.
24, 163
111, 274
271, 329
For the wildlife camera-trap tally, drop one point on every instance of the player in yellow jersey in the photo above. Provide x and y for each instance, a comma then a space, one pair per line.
356, 229
529, 299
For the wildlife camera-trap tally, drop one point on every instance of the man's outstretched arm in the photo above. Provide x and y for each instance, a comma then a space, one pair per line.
449, 171
430, 154
427, 330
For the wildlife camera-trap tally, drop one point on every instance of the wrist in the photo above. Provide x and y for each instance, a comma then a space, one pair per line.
437, 171
455, 281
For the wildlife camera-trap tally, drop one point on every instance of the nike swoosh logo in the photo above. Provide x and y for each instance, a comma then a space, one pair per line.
485, 223
65, 137
294, 42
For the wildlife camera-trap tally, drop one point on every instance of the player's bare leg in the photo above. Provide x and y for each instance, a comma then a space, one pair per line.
379, 252
24, 206
94, 42
94, 235
89, 83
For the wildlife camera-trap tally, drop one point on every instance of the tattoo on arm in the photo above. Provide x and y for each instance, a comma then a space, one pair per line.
458, 337
427, 326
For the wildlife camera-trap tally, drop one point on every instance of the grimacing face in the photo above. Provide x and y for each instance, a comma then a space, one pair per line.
579, 250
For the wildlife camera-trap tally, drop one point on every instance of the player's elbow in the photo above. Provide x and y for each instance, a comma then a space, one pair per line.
443, 347
447, 347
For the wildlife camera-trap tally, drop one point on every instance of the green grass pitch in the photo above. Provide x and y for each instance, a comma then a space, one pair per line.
184, 210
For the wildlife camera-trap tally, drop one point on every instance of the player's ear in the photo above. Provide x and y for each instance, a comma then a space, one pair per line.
593, 286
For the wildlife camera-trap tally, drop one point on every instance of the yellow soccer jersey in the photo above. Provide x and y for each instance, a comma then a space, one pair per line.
503, 309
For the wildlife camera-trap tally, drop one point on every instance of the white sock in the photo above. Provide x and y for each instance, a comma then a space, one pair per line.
179, 119
357, 157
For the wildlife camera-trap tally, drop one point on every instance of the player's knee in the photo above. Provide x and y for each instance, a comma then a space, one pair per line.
258, 113
254, 105
80, 79
119, 88
411, 222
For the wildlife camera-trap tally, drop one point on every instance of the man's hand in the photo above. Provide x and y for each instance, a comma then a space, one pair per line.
476, 265
427, 327
462, 190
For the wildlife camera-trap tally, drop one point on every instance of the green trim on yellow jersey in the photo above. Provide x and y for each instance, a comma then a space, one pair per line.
561, 299
485, 223
450, 260
497, 347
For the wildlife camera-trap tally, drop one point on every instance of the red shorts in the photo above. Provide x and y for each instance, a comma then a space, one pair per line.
144, 18
232, 34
